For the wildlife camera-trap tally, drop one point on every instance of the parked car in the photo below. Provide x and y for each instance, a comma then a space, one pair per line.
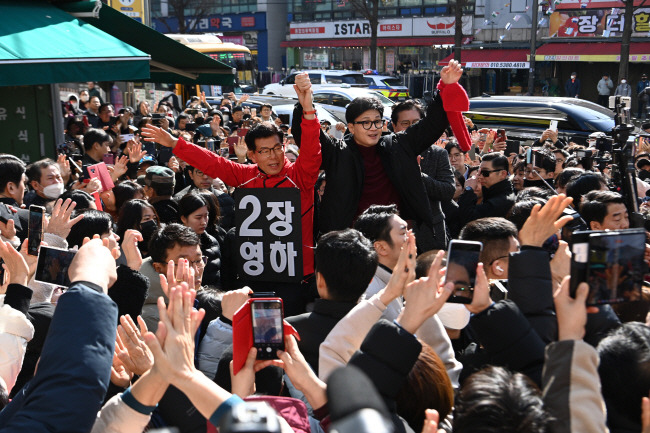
526, 117
319, 79
390, 87
335, 100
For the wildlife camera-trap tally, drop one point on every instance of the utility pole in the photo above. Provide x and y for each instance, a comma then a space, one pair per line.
533, 49
625, 40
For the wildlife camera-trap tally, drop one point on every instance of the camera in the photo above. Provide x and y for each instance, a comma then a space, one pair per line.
251, 417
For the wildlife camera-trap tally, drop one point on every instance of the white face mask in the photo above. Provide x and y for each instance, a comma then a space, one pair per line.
623, 81
573, 77
83, 98
53, 191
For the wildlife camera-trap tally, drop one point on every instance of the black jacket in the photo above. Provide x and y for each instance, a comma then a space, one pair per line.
497, 201
129, 291
314, 327
212, 272
343, 164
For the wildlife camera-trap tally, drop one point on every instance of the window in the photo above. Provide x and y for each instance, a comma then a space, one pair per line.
340, 100
314, 78
291, 79
322, 98
345, 79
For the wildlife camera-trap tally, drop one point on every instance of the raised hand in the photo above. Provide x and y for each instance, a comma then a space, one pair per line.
543, 221
241, 149
233, 300
451, 73
60, 222
159, 135
131, 250
571, 313
135, 152
403, 273
15, 264
131, 348
177, 274
481, 300
120, 168
8, 229
64, 167
303, 90
94, 263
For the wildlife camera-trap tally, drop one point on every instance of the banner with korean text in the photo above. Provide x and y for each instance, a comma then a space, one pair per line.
269, 234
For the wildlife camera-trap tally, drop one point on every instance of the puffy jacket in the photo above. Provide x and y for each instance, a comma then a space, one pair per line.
304, 173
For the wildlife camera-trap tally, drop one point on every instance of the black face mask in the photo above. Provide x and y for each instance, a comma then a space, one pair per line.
538, 183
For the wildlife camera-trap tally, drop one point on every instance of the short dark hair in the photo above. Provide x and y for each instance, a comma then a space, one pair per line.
374, 222
565, 176
82, 198
499, 161
624, 371
266, 106
236, 108
643, 162
534, 192
262, 130
584, 183
453, 144
125, 191
168, 236
11, 170
407, 105
214, 208
496, 400
347, 261
494, 233
94, 222
460, 178
360, 105
95, 135
594, 205
35, 169
520, 212
103, 106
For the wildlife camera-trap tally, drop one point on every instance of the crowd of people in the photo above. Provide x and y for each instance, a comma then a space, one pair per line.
142, 337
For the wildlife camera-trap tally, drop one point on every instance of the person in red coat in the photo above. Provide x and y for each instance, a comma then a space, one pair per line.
270, 169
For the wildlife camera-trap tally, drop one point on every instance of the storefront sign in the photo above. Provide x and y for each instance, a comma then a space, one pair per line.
597, 22
440, 26
213, 23
497, 65
269, 235
635, 58
130, 8
594, 4
311, 59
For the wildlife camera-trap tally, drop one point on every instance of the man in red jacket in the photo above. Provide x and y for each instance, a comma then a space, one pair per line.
270, 169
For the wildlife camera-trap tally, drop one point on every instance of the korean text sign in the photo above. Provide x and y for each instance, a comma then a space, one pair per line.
269, 234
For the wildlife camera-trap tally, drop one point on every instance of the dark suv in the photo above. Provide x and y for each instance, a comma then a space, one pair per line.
526, 117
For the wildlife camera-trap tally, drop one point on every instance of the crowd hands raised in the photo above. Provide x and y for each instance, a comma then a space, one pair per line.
142, 336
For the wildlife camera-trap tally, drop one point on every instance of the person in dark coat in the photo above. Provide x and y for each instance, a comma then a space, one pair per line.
367, 168
345, 263
194, 213
572, 86
496, 190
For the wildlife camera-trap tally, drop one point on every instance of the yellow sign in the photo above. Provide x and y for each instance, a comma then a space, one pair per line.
131, 8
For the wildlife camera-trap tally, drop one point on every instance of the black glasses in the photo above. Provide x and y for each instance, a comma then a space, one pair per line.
367, 124
486, 173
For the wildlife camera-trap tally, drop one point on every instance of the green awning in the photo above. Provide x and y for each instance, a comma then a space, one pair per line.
171, 61
41, 44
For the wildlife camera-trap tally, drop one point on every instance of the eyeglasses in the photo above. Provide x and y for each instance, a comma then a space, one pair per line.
407, 123
367, 124
266, 151
486, 173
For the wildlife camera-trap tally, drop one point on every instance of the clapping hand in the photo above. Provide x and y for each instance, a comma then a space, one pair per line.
451, 73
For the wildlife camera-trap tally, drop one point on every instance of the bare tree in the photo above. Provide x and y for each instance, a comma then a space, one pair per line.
183, 9
369, 9
458, 29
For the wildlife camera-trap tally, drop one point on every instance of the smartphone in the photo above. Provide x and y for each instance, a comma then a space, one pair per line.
553, 125
156, 119
127, 137
268, 330
501, 136
241, 132
512, 146
35, 233
611, 263
190, 127
52, 266
109, 159
232, 141
462, 260
246, 124
472, 152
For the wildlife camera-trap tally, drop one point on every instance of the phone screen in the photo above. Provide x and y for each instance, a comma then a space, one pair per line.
52, 267
553, 125
268, 335
616, 267
35, 233
462, 260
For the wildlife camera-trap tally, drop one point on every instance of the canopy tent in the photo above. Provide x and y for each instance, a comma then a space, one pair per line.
171, 61
41, 44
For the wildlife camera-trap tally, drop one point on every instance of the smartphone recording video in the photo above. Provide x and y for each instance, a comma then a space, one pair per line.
611, 263
462, 260
52, 267
35, 233
268, 331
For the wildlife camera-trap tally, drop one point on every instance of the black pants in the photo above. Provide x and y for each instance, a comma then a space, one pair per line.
603, 100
